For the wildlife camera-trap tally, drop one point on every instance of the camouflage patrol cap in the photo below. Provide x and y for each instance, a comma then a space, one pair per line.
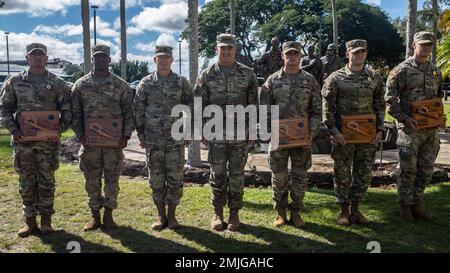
355, 45
226, 39
100, 49
161, 50
291, 45
36, 46
423, 37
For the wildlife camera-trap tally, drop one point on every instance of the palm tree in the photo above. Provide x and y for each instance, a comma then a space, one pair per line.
123, 41
411, 26
86, 35
435, 8
335, 22
194, 158
443, 49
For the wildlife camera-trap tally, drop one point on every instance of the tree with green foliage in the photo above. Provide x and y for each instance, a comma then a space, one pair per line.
307, 21
136, 70
443, 48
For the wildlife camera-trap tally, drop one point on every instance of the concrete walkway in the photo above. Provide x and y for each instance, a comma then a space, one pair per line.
321, 162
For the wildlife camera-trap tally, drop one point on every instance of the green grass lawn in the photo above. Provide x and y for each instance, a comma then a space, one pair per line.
136, 213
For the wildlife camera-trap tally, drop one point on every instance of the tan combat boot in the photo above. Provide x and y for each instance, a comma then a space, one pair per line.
233, 220
46, 224
217, 220
108, 220
418, 211
161, 221
95, 222
296, 219
356, 216
343, 218
172, 222
30, 225
406, 213
281, 218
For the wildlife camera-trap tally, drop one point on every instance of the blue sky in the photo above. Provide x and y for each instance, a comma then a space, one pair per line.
57, 23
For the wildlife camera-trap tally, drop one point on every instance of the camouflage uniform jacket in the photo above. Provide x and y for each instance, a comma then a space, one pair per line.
348, 93
19, 94
409, 82
154, 102
111, 99
298, 98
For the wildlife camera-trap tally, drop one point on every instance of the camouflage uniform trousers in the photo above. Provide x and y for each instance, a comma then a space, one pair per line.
227, 187
417, 153
36, 164
352, 171
96, 162
165, 164
298, 184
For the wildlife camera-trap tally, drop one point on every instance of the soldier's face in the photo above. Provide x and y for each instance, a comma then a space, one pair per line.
292, 58
226, 54
357, 57
101, 61
37, 59
423, 50
163, 62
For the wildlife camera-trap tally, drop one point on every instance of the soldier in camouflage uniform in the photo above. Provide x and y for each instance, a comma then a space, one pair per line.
156, 95
241, 58
227, 83
331, 61
297, 93
312, 64
414, 79
353, 90
101, 94
270, 62
35, 89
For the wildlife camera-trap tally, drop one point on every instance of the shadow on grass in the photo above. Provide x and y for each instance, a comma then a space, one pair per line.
140, 241
58, 242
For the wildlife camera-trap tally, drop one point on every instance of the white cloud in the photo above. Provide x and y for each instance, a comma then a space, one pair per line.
41, 8
66, 30
38, 8
104, 29
169, 17
56, 48
374, 2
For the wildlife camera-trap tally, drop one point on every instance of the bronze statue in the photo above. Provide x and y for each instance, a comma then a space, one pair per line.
311, 63
241, 58
270, 62
331, 61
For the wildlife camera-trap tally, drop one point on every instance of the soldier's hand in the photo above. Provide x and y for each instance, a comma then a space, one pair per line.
124, 141
378, 138
339, 139
17, 136
411, 123
142, 143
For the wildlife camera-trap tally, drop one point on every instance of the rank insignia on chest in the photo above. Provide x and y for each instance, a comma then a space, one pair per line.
369, 79
111, 86
305, 82
49, 86
434, 73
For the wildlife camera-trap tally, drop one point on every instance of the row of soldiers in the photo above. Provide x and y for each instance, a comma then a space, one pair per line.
353, 89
